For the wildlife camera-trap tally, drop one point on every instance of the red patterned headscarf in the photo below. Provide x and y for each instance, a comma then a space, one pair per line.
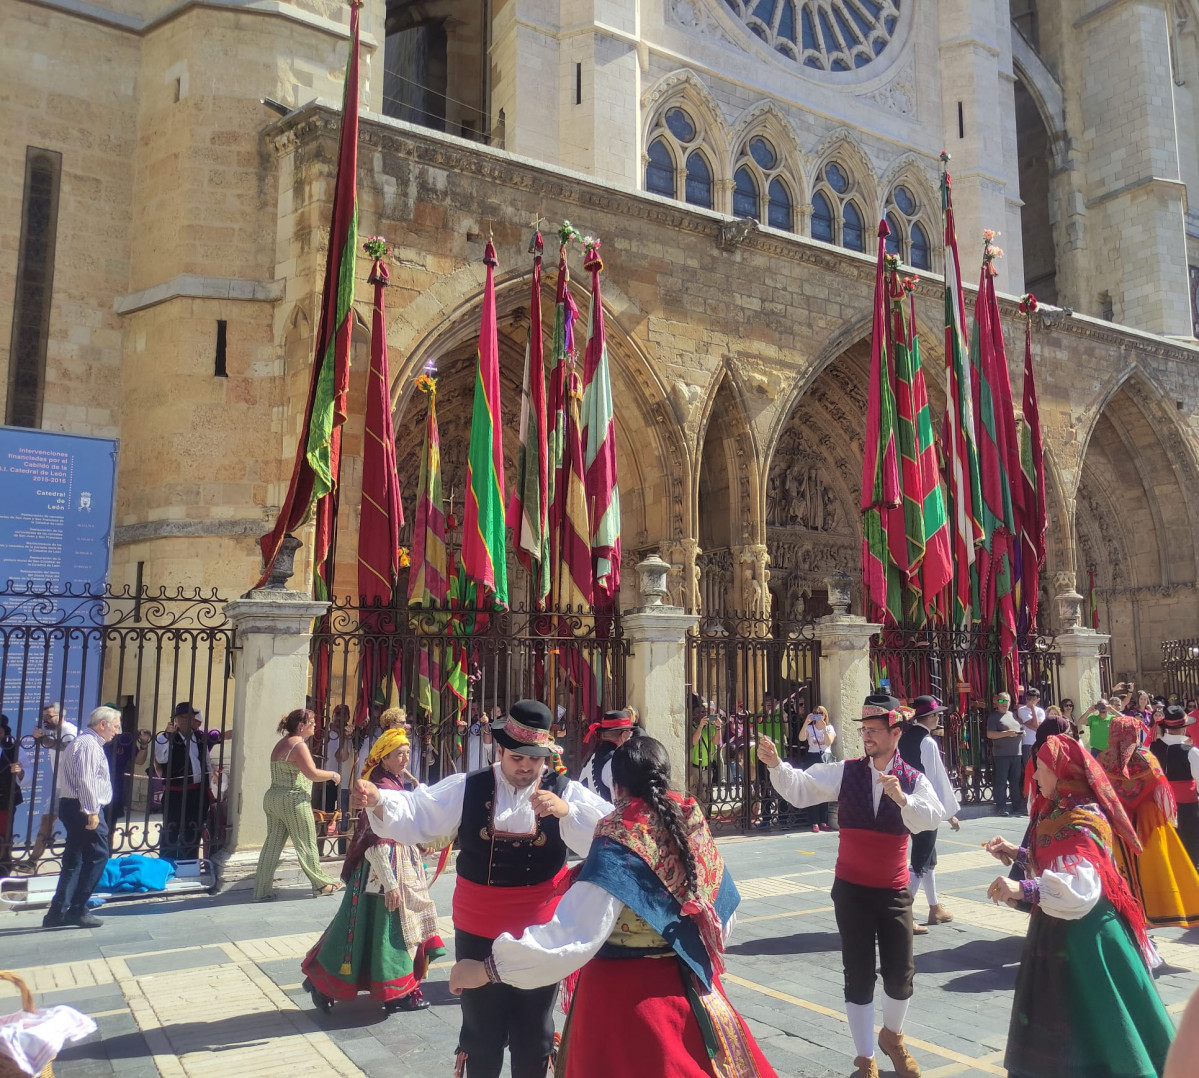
1134, 773
1081, 781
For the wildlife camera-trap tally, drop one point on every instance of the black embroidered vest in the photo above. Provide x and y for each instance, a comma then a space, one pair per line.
497, 860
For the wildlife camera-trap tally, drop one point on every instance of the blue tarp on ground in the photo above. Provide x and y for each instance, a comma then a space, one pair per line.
134, 873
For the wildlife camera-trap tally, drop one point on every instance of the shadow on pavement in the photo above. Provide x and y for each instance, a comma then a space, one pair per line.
799, 943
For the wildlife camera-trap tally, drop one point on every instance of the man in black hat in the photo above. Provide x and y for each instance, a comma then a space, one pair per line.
614, 729
919, 749
1180, 761
181, 753
880, 799
513, 822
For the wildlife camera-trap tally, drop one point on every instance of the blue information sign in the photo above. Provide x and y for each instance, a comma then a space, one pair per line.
56, 519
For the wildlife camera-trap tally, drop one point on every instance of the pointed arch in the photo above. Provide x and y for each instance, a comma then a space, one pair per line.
844, 147
766, 118
729, 431
913, 171
684, 87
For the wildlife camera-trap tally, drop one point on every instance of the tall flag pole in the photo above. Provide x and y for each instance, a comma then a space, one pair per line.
599, 441
1032, 478
428, 579
484, 542
880, 466
317, 466
961, 458
528, 511
565, 315
998, 462
382, 513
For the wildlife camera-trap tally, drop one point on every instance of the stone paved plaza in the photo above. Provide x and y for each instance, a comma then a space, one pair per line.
209, 986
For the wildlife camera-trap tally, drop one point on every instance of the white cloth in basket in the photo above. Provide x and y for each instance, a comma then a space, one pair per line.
31, 1039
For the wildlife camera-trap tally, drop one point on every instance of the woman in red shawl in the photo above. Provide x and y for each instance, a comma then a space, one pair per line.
385, 933
1085, 1005
1163, 877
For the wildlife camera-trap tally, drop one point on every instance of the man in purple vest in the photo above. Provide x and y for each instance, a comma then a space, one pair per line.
880, 800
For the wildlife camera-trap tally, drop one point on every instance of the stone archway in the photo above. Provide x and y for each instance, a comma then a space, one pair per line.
1135, 528
651, 466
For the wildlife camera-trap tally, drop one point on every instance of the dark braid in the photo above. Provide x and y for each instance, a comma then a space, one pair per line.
641, 767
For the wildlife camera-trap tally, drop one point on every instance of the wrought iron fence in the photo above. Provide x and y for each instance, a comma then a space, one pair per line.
1180, 664
962, 668
63, 651
746, 677
449, 670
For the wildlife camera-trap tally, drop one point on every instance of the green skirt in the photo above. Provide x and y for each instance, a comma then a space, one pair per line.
363, 949
1085, 1003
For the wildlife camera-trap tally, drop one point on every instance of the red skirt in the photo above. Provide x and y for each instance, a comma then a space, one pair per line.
633, 1016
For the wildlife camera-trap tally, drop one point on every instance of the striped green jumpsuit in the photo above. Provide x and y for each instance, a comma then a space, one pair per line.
288, 808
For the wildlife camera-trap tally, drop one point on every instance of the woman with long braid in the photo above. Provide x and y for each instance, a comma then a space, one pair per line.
653, 874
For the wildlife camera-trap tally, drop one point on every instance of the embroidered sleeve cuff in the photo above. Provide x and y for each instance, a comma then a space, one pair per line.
1021, 856
1031, 891
493, 975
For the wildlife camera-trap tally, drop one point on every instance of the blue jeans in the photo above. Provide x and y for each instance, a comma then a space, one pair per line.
83, 860
1009, 796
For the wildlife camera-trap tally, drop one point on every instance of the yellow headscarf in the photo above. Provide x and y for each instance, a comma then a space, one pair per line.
388, 742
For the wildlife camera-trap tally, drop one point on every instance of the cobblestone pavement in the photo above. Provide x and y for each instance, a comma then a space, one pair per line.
206, 986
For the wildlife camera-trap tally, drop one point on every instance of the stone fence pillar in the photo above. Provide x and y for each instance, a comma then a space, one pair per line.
844, 666
1079, 676
274, 631
656, 671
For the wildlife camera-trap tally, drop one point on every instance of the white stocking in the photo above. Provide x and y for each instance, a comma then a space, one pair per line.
929, 882
861, 1026
894, 1011
914, 879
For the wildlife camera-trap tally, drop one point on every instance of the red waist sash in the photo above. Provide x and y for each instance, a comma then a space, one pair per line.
1184, 791
488, 911
873, 858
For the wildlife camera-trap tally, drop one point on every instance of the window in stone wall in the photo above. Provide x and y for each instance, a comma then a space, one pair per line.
35, 283
675, 165
909, 238
824, 35
757, 173
837, 209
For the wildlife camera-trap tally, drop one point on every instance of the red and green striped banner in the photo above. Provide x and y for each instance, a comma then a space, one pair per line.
599, 441
484, 538
529, 508
381, 511
317, 466
998, 465
1032, 477
963, 494
881, 492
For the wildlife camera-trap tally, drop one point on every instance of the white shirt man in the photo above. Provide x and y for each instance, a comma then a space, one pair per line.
1029, 715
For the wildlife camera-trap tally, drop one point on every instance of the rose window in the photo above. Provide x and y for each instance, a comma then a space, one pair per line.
826, 35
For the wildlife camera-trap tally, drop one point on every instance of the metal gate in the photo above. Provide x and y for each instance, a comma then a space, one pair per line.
141, 651
746, 677
953, 665
449, 669
1180, 663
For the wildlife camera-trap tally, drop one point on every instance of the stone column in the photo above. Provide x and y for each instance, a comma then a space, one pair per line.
656, 672
844, 665
1078, 676
274, 630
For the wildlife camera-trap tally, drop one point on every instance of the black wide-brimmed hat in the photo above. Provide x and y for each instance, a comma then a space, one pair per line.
923, 706
527, 730
1176, 717
881, 705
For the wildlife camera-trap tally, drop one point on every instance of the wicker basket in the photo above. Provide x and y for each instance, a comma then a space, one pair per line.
8, 1069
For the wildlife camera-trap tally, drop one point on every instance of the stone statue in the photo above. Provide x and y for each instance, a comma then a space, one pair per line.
828, 520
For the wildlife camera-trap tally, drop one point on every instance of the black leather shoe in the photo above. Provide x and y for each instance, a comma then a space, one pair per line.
84, 920
52, 920
413, 1002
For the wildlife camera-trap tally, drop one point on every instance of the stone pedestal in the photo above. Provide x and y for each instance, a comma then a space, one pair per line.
274, 630
1078, 677
845, 676
656, 678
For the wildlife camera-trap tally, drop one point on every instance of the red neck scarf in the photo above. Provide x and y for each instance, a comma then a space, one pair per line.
1135, 774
